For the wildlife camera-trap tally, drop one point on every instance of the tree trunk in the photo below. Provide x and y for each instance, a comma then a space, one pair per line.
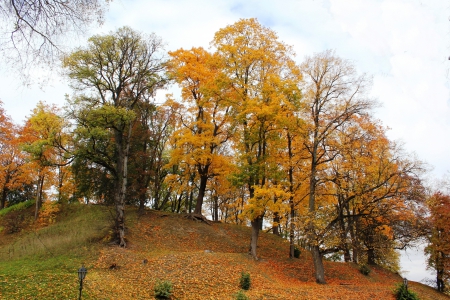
191, 199
60, 183
318, 265
40, 187
291, 231
276, 222
347, 256
256, 225
370, 250
201, 190
439, 280
121, 183
344, 231
291, 199
354, 236
142, 200
371, 256
180, 201
216, 208
317, 257
3, 199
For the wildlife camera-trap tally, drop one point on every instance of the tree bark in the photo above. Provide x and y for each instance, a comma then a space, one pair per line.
371, 256
291, 231
121, 182
318, 265
216, 208
3, 199
40, 187
276, 226
291, 199
256, 225
201, 191
317, 257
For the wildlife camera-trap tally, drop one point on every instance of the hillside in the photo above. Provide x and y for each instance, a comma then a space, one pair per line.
202, 261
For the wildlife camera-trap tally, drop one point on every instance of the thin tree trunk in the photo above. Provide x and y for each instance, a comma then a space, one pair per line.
40, 186
216, 208
354, 237
291, 231
191, 199
291, 199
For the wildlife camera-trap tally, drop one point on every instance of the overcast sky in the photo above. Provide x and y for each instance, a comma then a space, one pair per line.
403, 44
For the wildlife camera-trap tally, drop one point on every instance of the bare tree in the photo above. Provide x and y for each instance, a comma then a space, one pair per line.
34, 32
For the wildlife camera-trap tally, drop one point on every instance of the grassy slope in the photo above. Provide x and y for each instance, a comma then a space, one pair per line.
168, 247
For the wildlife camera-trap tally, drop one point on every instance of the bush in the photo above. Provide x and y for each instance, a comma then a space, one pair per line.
240, 296
402, 293
297, 252
245, 281
365, 270
163, 289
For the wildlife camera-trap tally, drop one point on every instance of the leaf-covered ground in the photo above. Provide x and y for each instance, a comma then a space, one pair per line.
202, 261
205, 262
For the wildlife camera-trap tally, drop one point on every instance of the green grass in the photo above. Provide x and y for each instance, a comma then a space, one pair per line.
16, 207
43, 264
52, 278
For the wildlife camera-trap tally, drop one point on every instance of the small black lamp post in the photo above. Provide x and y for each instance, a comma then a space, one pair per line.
81, 275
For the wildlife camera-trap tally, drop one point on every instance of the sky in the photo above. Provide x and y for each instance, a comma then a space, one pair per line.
403, 44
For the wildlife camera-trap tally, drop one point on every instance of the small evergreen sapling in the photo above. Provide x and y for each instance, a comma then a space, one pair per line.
163, 289
245, 281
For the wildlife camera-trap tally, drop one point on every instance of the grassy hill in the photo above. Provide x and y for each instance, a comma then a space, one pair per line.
39, 260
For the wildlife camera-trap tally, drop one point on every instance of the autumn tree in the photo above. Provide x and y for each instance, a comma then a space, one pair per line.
438, 249
148, 154
112, 75
205, 124
14, 176
262, 73
371, 196
333, 93
45, 139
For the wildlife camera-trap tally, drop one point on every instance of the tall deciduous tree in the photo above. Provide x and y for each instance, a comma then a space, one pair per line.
334, 93
262, 73
43, 136
206, 124
13, 174
377, 193
114, 73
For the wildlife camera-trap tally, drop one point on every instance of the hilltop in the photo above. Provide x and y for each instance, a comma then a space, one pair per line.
39, 260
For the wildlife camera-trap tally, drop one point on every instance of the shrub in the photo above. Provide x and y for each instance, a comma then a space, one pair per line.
163, 289
365, 270
245, 281
297, 252
402, 293
240, 296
